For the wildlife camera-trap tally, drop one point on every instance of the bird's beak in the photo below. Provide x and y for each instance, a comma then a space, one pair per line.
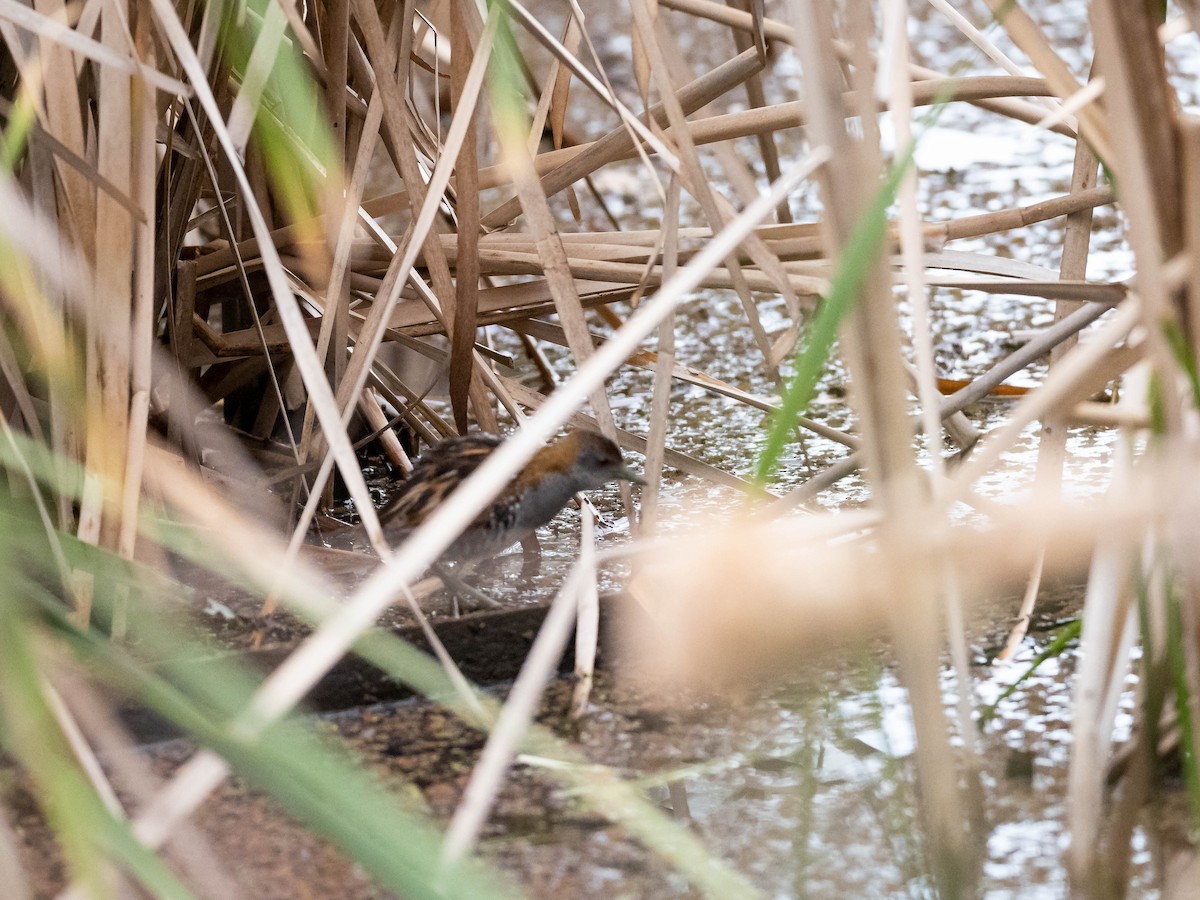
627, 474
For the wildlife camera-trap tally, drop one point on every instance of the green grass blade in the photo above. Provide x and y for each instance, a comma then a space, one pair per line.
861, 253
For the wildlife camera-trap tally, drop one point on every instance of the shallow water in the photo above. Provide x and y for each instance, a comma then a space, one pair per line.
815, 796
808, 787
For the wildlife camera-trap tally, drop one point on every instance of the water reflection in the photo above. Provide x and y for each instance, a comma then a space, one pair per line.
815, 796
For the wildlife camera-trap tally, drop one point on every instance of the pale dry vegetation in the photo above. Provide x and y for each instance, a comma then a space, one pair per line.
205, 294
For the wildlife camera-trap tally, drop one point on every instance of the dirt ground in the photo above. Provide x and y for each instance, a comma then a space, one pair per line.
546, 843
241, 844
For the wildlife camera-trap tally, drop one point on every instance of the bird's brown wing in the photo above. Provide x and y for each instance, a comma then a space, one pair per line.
439, 471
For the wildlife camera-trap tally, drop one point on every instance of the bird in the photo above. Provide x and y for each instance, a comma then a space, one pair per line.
580, 460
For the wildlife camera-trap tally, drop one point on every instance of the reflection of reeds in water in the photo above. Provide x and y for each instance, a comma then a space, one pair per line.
188, 228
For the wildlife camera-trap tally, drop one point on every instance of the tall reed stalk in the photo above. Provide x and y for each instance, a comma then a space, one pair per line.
221, 218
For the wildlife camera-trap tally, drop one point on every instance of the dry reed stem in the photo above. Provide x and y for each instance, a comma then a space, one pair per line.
689, 465
551, 254
257, 334
56, 38
715, 208
687, 581
369, 406
1108, 636
911, 238
254, 77
664, 367
870, 342
786, 242
1147, 168
1028, 36
756, 96
1190, 154
974, 391
107, 349
980, 40
567, 272
1089, 93
398, 122
313, 658
1190, 147
501, 748
587, 615
564, 167
1079, 375
577, 162
342, 250
631, 124
487, 377
289, 313
1018, 110
552, 105
60, 114
192, 851
912, 250
1052, 441
464, 30
142, 331
652, 360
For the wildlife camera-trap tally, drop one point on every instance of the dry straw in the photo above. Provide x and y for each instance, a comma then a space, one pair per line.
185, 237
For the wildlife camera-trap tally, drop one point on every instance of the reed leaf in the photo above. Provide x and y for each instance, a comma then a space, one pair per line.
863, 247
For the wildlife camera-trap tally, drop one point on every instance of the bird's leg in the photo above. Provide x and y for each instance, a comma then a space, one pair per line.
459, 588
531, 556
